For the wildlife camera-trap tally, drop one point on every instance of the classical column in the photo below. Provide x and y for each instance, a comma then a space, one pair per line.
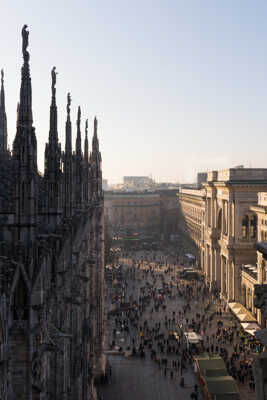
217, 268
230, 293
203, 260
213, 267
223, 276
208, 263
229, 222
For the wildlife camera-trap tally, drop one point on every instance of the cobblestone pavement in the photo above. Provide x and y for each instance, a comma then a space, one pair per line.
133, 378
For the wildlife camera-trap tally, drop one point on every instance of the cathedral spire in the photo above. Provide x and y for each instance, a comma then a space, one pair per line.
53, 135
25, 109
25, 154
68, 139
78, 138
96, 168
95, 138
68, 206
2, 90
52, 162
86, 142
78, 166
86, 167
3, 119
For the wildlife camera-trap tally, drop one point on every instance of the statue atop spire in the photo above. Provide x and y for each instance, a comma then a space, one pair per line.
68, 103
2, 76
54, 81
25, 43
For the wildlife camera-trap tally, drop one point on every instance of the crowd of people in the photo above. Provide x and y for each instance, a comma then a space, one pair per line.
162, 308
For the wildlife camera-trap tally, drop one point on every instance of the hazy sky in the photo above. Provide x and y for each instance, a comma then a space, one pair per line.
178, 86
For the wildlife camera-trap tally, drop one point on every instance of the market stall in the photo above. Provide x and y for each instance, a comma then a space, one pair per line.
216, 382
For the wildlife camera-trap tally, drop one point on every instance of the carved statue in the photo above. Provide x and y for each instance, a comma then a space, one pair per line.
2, 75
25, 42
86, 127
54, 80
68, 103
36, 370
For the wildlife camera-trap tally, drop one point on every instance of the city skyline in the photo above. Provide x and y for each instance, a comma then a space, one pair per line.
177, 88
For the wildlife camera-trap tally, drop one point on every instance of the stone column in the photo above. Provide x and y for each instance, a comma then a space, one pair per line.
205, 261
213, 267
208, 263
202, 260
222, 276
217, 268
230, 292
229, 222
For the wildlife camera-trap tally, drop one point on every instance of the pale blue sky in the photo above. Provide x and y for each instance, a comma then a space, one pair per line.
178, 86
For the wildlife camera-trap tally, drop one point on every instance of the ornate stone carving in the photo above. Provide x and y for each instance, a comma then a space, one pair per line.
37, 370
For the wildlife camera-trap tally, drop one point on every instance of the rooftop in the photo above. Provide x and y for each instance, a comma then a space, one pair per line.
193, 192
238, 174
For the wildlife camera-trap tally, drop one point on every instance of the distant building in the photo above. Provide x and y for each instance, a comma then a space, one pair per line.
133, 211
168, 212
137, 183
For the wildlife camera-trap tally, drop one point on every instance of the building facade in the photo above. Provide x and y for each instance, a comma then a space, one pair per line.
227, 221
51, 257
191, 206
230, 226
169, 217
133, 211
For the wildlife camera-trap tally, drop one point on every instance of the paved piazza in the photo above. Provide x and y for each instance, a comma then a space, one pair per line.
134, 377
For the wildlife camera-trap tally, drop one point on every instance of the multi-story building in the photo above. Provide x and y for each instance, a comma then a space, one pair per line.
137, 183
169, 217
256, 274
51, 257
192, 216
230, 226
133, 211
227, 220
